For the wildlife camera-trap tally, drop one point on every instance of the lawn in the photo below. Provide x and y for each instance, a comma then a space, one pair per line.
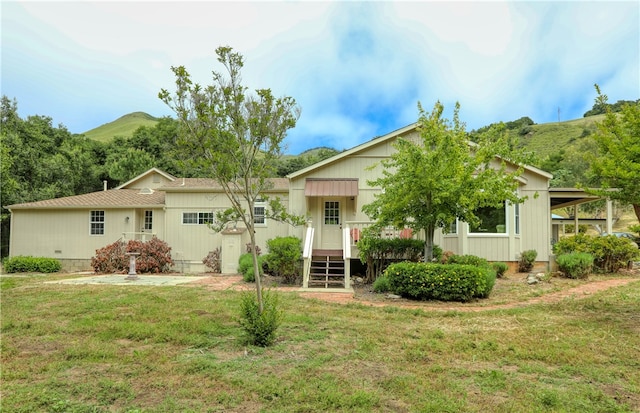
89, 348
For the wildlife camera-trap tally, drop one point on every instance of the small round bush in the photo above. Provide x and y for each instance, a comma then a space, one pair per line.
575, 265
500, 268
245, 266
260, 327
381, 285
527, 260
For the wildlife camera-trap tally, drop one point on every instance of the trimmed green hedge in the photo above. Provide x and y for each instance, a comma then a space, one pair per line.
609, 253
24, 263
575, 265
490, 271
446, 282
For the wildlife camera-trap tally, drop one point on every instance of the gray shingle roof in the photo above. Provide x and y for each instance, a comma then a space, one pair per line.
279, 184
113, 198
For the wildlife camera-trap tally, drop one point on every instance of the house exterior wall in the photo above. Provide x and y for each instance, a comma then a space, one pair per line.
64, 234
190, 243
534, 213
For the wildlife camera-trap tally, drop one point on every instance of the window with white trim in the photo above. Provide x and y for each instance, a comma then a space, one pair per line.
96, 223
492, 220
148, 221
260, 212
453, 228
517, 217
332, 212
197, 218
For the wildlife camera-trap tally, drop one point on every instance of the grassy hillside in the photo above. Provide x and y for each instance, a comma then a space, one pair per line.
124, 126
548, 138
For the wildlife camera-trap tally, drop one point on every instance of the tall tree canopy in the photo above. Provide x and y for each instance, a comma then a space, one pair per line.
618, 162
39, 161
235, 137
444, 177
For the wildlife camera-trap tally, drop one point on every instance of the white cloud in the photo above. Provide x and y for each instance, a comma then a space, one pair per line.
356, 68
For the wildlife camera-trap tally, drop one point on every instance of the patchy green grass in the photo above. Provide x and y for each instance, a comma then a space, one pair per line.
88, 348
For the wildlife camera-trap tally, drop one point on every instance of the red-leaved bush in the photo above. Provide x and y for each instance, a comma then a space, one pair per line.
155, 257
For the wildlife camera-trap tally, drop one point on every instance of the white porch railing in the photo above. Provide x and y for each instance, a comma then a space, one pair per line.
139, 236
307, 253
353, 231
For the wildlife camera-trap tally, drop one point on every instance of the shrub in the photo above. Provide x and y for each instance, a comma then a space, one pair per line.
424, 281
609, 253
576, 264
500, 268
260, 327
249, 250
381, 285
284, 257
22, 263
467, 260
212, 260
111, 259
155, 257
377, 252
489, 272
527, 260
245, 267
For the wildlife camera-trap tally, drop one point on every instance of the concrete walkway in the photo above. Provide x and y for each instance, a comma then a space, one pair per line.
120, 279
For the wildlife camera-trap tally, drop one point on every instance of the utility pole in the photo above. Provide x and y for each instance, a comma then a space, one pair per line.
558, 114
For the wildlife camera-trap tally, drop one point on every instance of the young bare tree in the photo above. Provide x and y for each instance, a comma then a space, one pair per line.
235, 137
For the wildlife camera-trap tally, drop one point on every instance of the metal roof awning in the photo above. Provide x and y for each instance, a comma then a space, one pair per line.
565, 197
331, 187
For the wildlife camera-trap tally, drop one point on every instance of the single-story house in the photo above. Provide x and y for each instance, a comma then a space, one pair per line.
330, 193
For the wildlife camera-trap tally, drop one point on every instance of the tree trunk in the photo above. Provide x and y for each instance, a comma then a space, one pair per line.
636, 209
428, 244
256, 270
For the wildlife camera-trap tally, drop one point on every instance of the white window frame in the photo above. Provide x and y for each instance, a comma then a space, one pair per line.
260, 219
516, 213
197, 218
494, 234
148, 220
97, 219
335, 208
453, 228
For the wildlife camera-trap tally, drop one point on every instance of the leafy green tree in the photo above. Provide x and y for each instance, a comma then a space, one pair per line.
235, 137
122, 166
427, 185
618, 162
305, 159
40, 161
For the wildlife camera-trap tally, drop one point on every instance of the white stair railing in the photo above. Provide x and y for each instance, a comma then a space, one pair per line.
307, 253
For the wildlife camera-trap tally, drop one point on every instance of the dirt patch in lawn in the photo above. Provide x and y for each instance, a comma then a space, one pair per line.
509, 292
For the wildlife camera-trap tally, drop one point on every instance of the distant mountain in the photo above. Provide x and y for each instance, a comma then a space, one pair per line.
543, 139
123, 126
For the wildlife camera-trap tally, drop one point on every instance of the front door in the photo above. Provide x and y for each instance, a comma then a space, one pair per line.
331, 223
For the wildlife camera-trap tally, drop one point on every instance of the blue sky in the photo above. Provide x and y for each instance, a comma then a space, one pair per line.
357, 69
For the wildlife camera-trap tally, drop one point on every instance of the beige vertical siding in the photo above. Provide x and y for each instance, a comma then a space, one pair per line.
65, 234
192, 242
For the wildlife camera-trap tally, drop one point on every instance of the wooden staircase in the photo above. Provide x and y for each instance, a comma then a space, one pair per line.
327, 269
